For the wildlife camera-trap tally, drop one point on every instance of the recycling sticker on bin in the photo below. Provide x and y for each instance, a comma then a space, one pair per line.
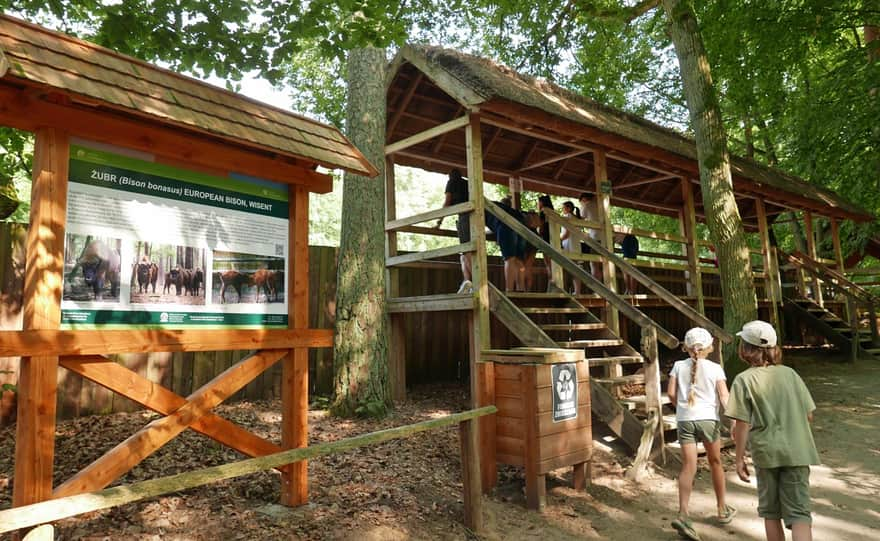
565, 392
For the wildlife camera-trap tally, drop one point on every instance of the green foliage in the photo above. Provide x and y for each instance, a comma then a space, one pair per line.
375, 409
8, 386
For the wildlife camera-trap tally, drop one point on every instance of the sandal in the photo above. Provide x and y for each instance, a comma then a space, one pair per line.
727, 515
686, 529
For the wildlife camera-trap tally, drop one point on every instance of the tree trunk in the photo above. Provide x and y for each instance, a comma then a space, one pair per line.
360, 358
722, 215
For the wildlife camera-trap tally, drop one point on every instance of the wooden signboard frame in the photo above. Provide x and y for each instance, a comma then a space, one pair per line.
55, 116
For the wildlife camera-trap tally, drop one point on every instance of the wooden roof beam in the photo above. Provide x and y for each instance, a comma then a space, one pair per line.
404, 103
527, 155
442, 139
501, 122
554, 159
426, 135
645, 181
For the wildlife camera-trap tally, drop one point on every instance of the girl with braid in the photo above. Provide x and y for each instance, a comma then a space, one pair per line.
697, 387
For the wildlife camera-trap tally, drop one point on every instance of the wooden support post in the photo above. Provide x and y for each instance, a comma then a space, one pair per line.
653, 392
397, 344
482, 375
853, 311
769, 262
516, 186
295, 366
470, 472
811, 251
556, 275
872, 323
838, 254
38, 376
536, 483
603, 205
689, 231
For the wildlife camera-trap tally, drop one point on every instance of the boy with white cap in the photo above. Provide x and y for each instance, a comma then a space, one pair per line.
773, 409
698, 387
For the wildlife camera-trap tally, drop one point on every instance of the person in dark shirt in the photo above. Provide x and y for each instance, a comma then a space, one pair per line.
512, 247
457, 192
629, 245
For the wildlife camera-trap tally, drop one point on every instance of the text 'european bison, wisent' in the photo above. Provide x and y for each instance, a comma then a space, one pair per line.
100, 265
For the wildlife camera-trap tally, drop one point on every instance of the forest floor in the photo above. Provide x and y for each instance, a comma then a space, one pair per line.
411, 489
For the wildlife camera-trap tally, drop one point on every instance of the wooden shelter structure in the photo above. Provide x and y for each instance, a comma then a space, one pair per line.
451, 110
62, 88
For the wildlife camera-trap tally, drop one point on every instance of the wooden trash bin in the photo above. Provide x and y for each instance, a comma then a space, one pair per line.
543, 420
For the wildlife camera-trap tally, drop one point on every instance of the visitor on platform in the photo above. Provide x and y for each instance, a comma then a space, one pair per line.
773, 411
698, 388
569, 244
590, 212
512, 246
544, 202
629, 246
457, 192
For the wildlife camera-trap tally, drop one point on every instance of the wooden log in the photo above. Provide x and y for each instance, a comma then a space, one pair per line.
52, 510
646, 443
38, 372
653, 393
470, 473
144, 442
100, 342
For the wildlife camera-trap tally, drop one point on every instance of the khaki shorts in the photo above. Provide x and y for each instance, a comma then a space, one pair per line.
784, 493
694, 431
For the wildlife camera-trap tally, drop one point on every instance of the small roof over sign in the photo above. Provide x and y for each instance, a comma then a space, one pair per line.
34, 56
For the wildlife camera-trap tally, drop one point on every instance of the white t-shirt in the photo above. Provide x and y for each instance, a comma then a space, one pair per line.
706, 398
590, 212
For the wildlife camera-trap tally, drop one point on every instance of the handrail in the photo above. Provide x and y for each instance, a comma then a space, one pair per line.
833, 278
26, 516
611, 297
653, 286
459, 208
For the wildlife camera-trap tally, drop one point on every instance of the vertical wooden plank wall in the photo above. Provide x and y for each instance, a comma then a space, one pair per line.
295, 366
482, 375
38, 377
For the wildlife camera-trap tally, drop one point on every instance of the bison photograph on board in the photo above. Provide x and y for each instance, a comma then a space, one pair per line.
247, 278
91, 268
167, 274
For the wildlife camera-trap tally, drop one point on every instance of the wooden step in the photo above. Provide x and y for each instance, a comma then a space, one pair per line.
527, 295
621, 359
638, 401
591, 343
573, 326
621, 380
534, 310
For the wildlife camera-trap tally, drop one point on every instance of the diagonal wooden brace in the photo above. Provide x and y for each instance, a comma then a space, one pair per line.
126, 455
123, 381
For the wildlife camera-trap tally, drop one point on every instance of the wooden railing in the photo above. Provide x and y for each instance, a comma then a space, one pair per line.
578, 273
697, 318
48, 511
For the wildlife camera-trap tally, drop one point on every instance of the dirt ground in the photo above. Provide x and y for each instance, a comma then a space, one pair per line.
410, 489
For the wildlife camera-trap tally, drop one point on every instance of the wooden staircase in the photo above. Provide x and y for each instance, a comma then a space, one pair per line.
847, 334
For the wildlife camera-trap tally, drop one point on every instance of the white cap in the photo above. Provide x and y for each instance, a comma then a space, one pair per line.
697, 337
758, 333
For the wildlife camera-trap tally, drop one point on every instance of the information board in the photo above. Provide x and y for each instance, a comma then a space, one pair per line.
153, 245
565, 391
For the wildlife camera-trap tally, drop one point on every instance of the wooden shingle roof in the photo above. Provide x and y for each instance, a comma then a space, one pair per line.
539, 107
34, 56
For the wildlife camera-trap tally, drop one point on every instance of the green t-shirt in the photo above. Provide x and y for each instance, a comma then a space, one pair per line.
775, 402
